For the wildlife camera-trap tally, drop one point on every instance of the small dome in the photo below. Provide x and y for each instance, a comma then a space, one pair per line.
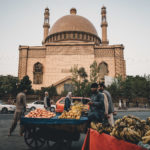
73, 22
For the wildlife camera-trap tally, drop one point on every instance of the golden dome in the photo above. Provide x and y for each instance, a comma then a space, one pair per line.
73, 22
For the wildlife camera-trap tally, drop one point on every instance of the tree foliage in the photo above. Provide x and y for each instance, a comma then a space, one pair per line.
8, 85
94, 72
130, 88
51, 90
80, 82
25, 83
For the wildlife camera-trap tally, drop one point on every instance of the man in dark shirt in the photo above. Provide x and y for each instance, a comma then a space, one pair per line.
97, 108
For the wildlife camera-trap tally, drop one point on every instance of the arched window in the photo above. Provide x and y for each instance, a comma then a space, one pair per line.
38, 73
103, 70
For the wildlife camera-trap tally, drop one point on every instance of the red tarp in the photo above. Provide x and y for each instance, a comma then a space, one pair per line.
96, 141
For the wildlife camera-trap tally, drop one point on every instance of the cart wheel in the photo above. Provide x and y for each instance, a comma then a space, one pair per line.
32, 139
60, 144
68, 144
52, 145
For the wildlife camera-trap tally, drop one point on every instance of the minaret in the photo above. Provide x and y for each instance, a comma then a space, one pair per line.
104, 26
46, 25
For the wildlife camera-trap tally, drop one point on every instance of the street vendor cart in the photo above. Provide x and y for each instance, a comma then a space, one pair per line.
52, 131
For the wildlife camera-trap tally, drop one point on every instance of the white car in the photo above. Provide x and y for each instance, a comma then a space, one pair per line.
5, 108
39, 104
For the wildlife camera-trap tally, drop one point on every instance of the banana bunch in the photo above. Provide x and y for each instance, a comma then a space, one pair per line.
132, 129
72, 114
128, 128
77, 107
96, 126
147, 133
101, 128
146, 138
127, 134
107, 129
115, 133
148, 120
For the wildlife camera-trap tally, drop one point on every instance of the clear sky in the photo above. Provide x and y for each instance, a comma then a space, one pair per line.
21, 23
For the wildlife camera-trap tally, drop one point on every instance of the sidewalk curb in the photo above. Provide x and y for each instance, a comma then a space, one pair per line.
143, 110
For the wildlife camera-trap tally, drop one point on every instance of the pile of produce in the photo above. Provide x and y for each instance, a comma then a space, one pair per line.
146, 137
80, 106
74, 113
128, 128
101, 127
40, 113
131, 129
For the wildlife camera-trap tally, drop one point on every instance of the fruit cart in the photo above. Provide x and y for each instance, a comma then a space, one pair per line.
54, 132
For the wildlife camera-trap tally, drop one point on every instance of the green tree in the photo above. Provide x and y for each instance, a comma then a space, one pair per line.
80, 82
51, 90
25, 83
116, 89
94, 72
147, 90
8, 85
82, 73
130, 88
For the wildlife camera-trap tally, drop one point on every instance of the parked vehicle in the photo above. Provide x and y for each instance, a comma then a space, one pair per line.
5, 108
38, 104
60, 103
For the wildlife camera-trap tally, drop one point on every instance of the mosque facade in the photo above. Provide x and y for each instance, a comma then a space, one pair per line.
72, 40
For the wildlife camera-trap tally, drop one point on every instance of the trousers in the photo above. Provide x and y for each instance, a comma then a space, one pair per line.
16, 119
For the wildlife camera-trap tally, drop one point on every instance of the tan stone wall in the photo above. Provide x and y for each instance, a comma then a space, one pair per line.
55, 64
114, 57
60, 87
28, 56
119, 62
23, 58
58, 58
32, 53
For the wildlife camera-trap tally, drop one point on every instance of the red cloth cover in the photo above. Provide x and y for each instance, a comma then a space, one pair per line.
96, 141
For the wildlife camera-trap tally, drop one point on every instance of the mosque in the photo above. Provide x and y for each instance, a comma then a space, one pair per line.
72, 40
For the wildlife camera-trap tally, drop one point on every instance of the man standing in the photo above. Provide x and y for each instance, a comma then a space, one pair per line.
47, 101
97, 109
20, 110
110, 103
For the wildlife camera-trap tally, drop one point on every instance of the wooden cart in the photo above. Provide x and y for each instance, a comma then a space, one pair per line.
56, 133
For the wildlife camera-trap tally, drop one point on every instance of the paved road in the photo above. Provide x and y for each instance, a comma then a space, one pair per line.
15, 142
140, 114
